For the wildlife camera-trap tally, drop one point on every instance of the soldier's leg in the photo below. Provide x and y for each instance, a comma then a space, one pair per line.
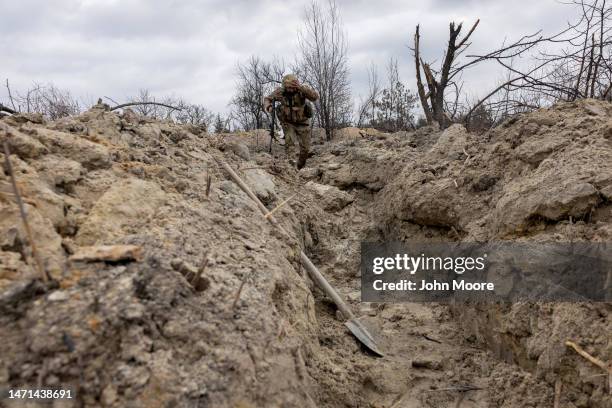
303, 136
289, 131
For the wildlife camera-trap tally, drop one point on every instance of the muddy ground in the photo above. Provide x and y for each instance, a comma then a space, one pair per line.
252, 330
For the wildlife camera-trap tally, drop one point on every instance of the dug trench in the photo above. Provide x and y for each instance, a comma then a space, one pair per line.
216, 310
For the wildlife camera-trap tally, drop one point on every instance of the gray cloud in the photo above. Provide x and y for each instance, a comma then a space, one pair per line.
190, 48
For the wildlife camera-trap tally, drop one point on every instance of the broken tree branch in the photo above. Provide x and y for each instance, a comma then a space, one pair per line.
7, 109
607, 367
125, 105
420, 88
467, 36
10, 95
589, 357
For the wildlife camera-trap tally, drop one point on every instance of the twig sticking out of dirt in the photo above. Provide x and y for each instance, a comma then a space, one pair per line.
22, 212
594, 360
558, 387
467, 156
192, 275
278, 207
200, 283
237, 297
208, 183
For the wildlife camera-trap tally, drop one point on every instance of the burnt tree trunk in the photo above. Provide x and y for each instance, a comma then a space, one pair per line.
433, 100
420, 87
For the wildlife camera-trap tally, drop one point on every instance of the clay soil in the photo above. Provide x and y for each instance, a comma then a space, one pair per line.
215, 309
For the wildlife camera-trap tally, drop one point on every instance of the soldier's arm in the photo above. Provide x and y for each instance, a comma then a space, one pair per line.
274, 95
309, 93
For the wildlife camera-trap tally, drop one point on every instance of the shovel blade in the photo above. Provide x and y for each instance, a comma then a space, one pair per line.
363, 335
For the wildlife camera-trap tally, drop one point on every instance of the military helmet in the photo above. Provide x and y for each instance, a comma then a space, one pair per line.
289, 80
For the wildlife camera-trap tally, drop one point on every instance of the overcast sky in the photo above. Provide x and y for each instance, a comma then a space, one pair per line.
190, 48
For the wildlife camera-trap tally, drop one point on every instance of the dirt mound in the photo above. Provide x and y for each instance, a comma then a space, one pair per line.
531, 174
545, 176
142, 331
169, 290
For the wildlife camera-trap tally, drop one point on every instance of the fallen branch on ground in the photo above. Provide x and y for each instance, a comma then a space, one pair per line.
7, 109
589, 357
594, 360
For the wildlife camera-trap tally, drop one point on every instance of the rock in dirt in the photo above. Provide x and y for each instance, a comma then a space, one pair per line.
332, 198
48, 241
451, 144
60, 172
427, 363
261, 183
22, 118
91, 155
240, 149
535, 150
126, 205
310, 173
20, 144
107, 253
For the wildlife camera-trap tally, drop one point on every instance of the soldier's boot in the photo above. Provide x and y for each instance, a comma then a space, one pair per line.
302, 159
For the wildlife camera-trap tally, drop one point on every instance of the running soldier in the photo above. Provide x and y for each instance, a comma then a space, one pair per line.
295, 114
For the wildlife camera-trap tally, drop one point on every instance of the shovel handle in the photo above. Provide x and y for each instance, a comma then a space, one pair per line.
315, 274
325, 286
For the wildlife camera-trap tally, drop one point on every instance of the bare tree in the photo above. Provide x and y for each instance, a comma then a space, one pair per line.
324, 64
581, 69
49, 100
366, 109
433, 101
194, 114
572, 63
255, 79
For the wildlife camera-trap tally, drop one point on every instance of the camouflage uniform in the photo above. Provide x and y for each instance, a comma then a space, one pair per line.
295, 114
